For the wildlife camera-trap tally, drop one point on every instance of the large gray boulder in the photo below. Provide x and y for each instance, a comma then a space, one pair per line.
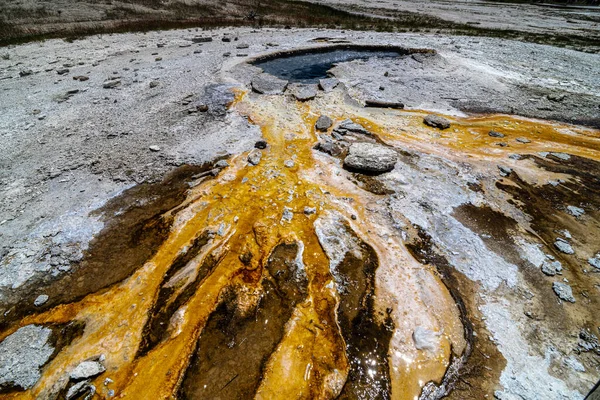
323, 123
268, 84
305, 92
22, 354
370, 157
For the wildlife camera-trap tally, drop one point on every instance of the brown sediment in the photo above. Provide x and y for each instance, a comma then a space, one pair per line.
237, 340
474, 374
135, 226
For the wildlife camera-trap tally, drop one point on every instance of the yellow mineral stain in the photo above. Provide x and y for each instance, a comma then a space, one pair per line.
245, 205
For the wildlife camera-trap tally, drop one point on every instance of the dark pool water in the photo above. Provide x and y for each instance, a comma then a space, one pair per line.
310, 67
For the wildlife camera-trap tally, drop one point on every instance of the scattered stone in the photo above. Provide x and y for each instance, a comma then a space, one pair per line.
310, 210
111, 84
561, 156
556, 97
436, 121
575, 211
502, 144
574, 364
563, 246
306, 92
86, 369
523, 140
226, 38
154, 84
227, 54
326, 145
154, 148
289, 163
261, 144
370, 157
384, 104
563, 291
22, 354
496, 134
504, 171
595, 261
158, 59
202, 107
328, 84
221, 164
197, 51
254, 156
323, 123
347, 126
200, 39
242, 46
268, 84
25, 72
515, 156
78, 390
40, 300
62, 71
551, 268
425, 339
287, 215
588, 341
81, 78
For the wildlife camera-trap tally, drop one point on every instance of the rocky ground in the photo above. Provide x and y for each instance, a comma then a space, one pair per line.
103, 137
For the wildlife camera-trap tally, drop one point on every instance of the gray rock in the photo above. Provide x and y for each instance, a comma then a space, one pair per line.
309, 210
595, 261
154, 148
40, 300
254, 156
370, 157
504, 171
523, 140
268, 84
551, 268
563, 246
242, 46
574, 364
347, 126
287, 214
515, 156
62, 71
575, 211
328, 84
154, 84
561, 156
563, 291
289, 163
326, 145
78, 390
25, 72
198, 51
87, 369
425, 339
306, 92
323, 123
374, 103
436, 121
496, 134
200, 39
221, 164
22, 354
111, 84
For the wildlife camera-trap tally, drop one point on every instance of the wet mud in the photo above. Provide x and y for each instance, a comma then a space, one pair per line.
367, 334
237, 340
